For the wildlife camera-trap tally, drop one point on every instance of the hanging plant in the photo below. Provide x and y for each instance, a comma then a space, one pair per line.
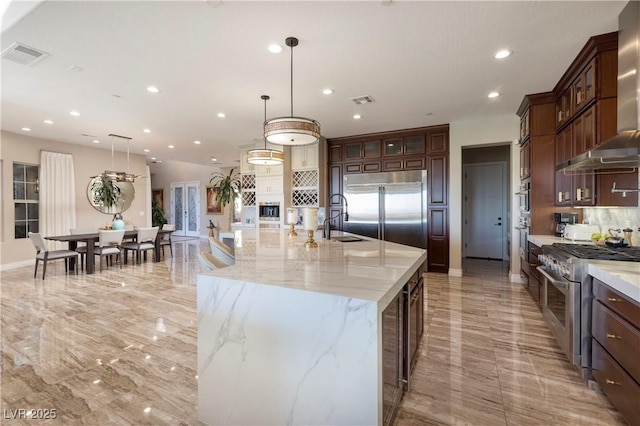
227, 189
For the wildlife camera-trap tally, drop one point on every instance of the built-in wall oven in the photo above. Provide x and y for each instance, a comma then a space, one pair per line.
269, 211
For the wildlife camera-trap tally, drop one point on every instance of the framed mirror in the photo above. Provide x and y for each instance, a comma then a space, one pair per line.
123, 196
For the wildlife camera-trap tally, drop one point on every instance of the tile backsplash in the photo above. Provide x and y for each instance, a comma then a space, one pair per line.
619, 217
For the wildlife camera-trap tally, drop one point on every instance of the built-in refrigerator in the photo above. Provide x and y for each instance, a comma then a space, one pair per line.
389, 206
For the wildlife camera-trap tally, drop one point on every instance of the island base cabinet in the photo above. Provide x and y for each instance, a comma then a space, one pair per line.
392, 358
621, 389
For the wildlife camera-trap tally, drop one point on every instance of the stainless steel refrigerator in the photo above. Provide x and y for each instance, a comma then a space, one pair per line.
390, 206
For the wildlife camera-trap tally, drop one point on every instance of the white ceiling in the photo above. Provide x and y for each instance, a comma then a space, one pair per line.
424, 63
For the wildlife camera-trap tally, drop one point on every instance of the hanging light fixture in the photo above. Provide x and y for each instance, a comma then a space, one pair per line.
265, 157
118, 176
292, 130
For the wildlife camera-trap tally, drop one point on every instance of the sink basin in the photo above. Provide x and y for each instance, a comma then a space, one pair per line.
347, 239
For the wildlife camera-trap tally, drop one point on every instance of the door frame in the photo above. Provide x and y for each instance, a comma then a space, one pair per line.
505, 202
185, 185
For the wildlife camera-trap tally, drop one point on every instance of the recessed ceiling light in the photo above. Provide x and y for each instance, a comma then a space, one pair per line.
222, 115
327, 91
197, 142
214, 159
159, 161
171, 146
146, 130
153, 158
96, 141
74, 113
48, 122
357, 116
146, 150
26, 129
501, 54
153, 89
147, 410
493, 95
275, 48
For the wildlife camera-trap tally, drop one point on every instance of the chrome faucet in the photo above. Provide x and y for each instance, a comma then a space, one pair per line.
326, 226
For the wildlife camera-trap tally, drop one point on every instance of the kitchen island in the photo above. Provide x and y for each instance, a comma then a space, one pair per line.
290, 335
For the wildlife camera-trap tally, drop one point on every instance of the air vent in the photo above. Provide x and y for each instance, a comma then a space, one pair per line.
23, 54
361, 100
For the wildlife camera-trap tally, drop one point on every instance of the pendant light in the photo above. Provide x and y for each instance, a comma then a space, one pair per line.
292, 130
118, 176
265, 157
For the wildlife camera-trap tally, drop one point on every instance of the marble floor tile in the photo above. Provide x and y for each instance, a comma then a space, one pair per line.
119, 348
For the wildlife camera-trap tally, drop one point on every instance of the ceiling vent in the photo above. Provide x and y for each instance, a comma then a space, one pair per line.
361, 100
23, 54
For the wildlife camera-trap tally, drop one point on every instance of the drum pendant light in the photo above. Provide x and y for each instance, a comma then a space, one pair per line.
292, 130
265, 157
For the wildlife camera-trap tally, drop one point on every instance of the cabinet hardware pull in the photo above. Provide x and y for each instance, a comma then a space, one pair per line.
613, 336
560, 196
611, 382
612, 299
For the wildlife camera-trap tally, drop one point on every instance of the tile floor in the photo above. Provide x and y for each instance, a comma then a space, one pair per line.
120, 348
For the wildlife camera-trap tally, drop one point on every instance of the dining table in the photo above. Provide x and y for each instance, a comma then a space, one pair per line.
92, 238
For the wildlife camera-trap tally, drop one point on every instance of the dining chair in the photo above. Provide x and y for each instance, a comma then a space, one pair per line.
43, 254
222, 251
83, 248
166, 238
209, 263
109, 244
145, 240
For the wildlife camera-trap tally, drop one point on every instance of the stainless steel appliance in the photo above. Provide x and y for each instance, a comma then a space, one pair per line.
389, 206
567, 294
269, 211
562, 219
525, 197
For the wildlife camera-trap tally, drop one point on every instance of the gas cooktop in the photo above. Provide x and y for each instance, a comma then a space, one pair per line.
587, 251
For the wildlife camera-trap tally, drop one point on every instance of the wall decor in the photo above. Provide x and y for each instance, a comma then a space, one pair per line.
213, 201
157, 195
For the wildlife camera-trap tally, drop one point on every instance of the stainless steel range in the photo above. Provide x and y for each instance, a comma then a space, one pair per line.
567, 294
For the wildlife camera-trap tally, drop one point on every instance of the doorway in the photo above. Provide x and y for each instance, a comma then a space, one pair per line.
485, 221
185, 208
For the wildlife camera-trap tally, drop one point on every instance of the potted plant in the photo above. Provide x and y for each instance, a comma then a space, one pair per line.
105, 193
157, 215
228, 189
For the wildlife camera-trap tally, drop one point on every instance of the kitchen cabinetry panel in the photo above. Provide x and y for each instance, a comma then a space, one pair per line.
438, 243
415, 327
304, 157
408, 145
269, 185
525, 160
615, 327
392, 358
335, 153
534, 284
437, 172
414, 163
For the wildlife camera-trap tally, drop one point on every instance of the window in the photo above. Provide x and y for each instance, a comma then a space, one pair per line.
25, 198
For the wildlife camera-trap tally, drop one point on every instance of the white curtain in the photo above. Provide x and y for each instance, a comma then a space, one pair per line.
57, 195
148, 212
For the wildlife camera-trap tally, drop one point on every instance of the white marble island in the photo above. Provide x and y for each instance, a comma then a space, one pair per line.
293, 336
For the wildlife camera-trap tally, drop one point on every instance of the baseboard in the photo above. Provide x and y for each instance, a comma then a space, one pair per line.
516, 278
16, 265
455, 272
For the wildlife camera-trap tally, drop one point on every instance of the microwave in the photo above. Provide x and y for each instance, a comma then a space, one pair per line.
269, 211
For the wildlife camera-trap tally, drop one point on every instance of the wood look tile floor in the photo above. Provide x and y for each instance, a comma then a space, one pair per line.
120, 348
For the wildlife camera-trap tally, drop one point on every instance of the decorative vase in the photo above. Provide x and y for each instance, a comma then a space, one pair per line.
117, 223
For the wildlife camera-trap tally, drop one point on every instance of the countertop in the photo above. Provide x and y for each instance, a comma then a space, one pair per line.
621, 276
370, 269
541, 240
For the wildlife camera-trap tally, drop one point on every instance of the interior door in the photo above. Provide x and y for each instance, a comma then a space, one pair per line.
485, 211
185, 208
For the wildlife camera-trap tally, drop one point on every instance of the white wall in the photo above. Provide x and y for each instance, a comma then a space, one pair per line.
87, 161
168, 172
503, 129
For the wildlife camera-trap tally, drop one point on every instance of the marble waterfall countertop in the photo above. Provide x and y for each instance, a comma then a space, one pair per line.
370, 269
290, 335
621, 276
542, 240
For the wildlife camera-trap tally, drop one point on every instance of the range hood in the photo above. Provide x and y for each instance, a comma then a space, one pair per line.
623, 150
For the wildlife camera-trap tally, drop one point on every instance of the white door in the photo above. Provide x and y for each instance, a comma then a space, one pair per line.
485, 211
185, 208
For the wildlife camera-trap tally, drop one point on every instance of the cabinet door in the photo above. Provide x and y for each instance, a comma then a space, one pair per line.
437, 143
269, 185
563, 181
269, 170
525, 161
583, 184
589, 82
311, 160
371, 149
335, 153
298, 157
392, 147
245, 166
564, 107
352, 151
414, 145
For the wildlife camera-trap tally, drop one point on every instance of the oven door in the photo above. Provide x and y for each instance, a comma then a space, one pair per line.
561, 311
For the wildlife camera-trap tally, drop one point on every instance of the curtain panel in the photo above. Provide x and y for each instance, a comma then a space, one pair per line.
57, 195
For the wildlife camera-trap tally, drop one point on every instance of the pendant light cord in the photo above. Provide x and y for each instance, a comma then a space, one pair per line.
292, 80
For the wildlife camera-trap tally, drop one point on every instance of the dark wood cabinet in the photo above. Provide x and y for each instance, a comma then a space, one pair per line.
563, 107
415, 327
534, 283
411, 149
525, 159
615, 350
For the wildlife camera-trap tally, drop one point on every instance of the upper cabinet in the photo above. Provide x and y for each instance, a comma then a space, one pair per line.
408, 145
304, 157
